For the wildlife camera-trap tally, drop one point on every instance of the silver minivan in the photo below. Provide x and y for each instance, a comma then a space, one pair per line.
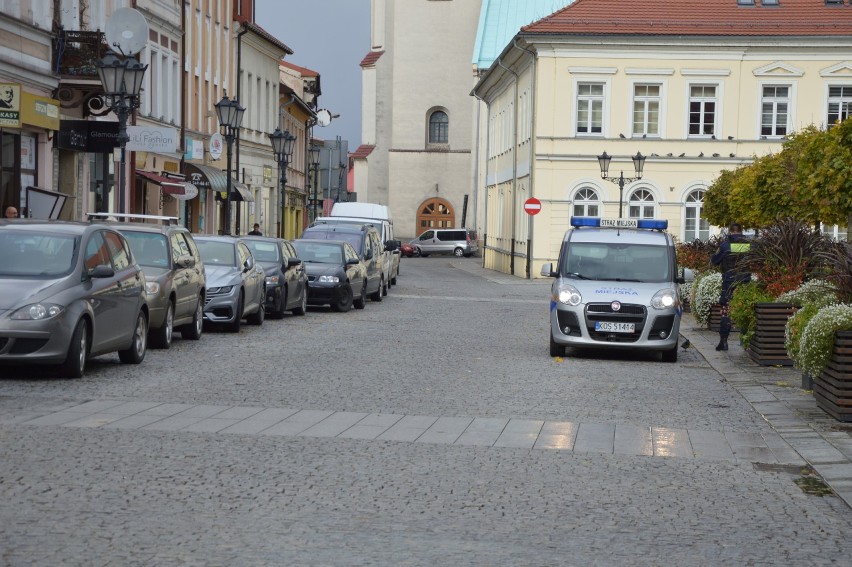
457, 241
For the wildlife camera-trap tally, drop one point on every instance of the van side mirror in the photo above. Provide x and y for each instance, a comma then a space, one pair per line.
547, 270
293, 262
185, 261
393, 245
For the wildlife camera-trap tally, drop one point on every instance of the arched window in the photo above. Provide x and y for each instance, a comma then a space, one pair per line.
435, 213
695, 227
642, 204
586, 203
439, 128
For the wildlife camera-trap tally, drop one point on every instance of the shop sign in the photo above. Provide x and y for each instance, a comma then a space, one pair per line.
156, 139
216, 143
87, 136
10, 105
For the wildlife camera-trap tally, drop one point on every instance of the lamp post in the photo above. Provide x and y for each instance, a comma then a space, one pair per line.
315, 162
638, 165
121, 80
282, 147
230, 115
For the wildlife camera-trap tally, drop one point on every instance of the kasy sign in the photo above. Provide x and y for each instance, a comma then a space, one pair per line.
156, 139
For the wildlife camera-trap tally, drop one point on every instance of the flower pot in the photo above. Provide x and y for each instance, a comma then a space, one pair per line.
807, 381
766, 347
833, 387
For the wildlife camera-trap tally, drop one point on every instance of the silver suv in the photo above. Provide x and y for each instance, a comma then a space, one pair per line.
616, 287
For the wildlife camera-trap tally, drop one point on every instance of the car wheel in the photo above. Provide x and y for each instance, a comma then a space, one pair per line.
458, 252
377, 295
385, 287
670, 355
193, 330
258, 316
556, 349
417, 252
344, 304
75, 361
235, 325
303, 305
361, 302
280, 304
136, 353
162, 337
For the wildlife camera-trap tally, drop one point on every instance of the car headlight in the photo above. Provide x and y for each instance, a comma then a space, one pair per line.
271, 280
37, 312
223, 289
664, 299
569, 295
152, 288
329, 279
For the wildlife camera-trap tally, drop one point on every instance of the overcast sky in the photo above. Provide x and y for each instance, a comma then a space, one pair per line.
330, 37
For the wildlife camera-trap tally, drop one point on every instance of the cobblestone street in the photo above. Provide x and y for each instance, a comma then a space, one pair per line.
431, 428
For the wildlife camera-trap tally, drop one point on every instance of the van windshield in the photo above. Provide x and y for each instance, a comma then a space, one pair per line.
617, 262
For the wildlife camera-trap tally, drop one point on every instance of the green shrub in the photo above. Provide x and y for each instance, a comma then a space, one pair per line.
817, 342
793, 330
817, 292
741, 309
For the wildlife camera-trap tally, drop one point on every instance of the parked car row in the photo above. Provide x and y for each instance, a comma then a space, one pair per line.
76, 290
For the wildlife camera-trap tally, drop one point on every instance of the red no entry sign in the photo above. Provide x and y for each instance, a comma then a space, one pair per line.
532, 206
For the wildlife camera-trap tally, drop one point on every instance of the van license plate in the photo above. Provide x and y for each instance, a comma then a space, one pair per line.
607, 327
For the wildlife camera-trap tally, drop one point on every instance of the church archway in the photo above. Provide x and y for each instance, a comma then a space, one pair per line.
435, 213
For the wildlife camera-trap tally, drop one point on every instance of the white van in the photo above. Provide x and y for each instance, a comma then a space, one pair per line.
380, 216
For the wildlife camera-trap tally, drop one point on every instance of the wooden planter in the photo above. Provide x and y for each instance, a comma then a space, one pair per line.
767, 345
833, 388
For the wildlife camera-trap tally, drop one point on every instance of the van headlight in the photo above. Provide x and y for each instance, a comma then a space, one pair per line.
664, 299
568, 294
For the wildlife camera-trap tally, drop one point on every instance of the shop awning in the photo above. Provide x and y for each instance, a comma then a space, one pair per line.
168, 185
212, 179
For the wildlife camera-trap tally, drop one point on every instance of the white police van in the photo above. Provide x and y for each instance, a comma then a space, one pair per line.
616, 287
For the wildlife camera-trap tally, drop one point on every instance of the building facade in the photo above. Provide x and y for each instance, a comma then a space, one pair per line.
696, 88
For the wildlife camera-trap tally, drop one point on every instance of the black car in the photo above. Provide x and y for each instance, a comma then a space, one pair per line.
286, 279
367, 243
336, 275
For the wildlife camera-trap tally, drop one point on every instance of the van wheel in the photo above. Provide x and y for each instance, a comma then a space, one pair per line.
417, 252
670, 355
385, 287
377, 296
458, 252
361, 302
556, 349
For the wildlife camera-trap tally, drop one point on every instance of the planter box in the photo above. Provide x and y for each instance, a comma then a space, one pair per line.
833, 388
767, 345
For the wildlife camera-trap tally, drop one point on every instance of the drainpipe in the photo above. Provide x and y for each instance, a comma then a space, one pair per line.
532, 150
476, 176
240, 34
186, 206
514, 166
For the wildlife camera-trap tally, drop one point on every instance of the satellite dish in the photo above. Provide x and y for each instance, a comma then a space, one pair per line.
127, 31
323, 117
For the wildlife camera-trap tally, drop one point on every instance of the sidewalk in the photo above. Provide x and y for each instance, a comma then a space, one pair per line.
776, 393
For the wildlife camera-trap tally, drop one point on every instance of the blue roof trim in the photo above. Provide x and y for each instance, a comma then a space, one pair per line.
501, 20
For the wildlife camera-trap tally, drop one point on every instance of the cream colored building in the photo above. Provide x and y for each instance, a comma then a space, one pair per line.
695, 87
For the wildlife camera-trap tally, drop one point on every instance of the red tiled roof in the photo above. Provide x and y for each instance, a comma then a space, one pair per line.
697, 17
304, 71
362, 152
371, 58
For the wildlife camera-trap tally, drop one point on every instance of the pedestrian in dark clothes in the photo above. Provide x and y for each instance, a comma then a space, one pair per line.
728, 257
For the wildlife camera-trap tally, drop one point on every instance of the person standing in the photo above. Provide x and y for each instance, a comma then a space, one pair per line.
728, 257
255, 231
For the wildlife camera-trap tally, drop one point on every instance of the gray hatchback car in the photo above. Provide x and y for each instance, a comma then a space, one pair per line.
71, 291
175, 279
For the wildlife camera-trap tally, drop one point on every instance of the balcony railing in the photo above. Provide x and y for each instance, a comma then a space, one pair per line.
76, 53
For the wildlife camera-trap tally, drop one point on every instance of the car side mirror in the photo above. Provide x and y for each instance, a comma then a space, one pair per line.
293, 262
393, 245
547, 270
249, 264
680, 280
186, 261
102, 271
368, 255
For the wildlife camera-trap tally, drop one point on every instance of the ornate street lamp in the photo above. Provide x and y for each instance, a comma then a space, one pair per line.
121, 80
230, 115
315, 163
638, 165
282, 147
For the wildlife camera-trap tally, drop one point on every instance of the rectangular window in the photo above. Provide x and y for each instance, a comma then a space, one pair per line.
590, 99
702, 110
839, 103
775, 106
646, 110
